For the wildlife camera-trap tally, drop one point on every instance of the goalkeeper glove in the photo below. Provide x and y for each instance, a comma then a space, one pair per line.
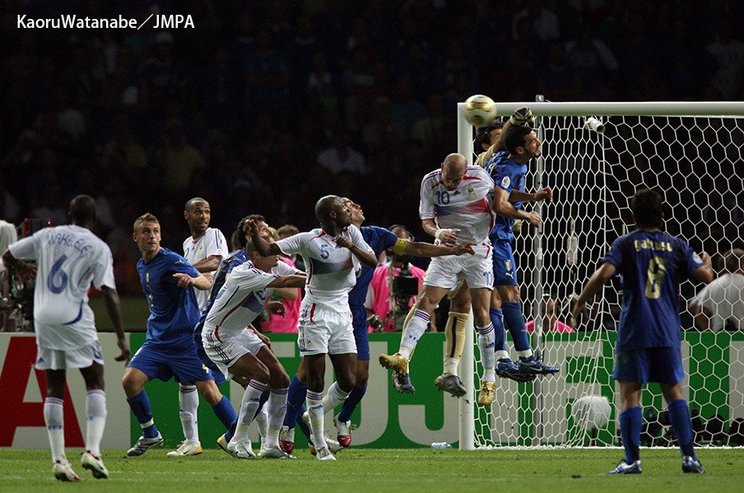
522, 116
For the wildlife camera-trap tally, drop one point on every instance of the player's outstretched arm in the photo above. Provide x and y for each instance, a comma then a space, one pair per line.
592, 287
113, 308
293, 281
503, 206
263, 247
201, 282
423, 249
25, 270
704, 273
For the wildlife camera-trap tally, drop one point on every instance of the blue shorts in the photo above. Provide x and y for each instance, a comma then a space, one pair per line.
361, 331
219, 377
183, 364
658, 364
504, 266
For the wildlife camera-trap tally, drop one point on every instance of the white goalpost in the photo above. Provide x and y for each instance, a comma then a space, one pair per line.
594, 156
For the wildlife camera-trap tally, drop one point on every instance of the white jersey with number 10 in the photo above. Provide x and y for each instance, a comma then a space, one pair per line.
467, 209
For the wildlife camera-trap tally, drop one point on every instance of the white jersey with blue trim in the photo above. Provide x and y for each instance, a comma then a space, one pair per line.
467, 209
212, 242
331, 269
68, 260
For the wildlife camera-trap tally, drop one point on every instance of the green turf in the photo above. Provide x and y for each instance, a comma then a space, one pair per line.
391, 471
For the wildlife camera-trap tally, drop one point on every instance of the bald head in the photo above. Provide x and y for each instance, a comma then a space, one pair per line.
82, 210
324, 206
453, 170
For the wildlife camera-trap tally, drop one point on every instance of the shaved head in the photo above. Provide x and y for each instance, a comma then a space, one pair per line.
454, 168
324, 206
192, 203
82, 209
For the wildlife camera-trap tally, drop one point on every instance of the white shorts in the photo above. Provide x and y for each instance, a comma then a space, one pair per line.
225, 350
477, 270
325, 329
56, 359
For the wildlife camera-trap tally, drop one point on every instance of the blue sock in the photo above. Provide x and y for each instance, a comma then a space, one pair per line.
225, 412
514, 321
231, 430
351, 402
498, 329
261, 401
295, 402
140, 406
304, 428
679, 416
631, 421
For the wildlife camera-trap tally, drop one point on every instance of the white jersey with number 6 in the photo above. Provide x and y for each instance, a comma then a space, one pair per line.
69, 259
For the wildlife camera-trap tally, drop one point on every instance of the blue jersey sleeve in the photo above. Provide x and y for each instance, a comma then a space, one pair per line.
615, 255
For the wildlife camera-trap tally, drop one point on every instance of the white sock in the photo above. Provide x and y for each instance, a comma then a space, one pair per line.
486, 343
314, 403
95, 410
275, 407
188, 400
333, 397
248, 407
501, 354
54, 420
413, 332
262, 422
451, 365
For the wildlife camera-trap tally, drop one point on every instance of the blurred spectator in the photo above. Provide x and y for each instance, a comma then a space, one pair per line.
266, 76
591, 61
177, 160
729, 54
720, 304
161, 77
550, 321
543, 22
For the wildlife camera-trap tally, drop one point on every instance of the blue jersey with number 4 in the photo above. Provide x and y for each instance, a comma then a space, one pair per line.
652, 265
173, 310
508, 175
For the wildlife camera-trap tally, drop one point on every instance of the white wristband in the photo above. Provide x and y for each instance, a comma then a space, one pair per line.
440, 232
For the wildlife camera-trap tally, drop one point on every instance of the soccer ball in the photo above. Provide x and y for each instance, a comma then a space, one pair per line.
591, 411
479, 110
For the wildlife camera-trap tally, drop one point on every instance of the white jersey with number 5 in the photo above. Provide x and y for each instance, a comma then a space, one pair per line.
331, 270
68, 260
466, 209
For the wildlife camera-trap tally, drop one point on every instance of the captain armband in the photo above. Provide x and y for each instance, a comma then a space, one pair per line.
400, 246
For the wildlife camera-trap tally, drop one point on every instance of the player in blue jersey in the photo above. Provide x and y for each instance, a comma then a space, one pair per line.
380, 240
651, 264
169, 349
508, 170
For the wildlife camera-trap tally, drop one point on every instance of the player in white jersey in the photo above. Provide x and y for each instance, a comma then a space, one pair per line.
455, 207
204, 249
69, 259
238, 351
332, 254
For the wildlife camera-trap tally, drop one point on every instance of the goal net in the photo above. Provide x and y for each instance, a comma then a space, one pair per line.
594, 156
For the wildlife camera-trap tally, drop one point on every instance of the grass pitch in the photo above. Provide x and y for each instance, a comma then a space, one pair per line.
390, 471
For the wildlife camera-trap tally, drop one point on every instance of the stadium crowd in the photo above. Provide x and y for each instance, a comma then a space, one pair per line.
267, 105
